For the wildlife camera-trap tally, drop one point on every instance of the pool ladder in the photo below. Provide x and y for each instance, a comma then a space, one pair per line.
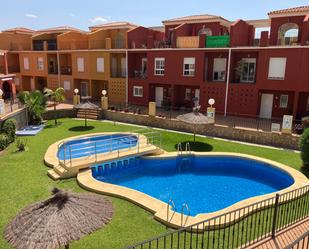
184, 207
187, 149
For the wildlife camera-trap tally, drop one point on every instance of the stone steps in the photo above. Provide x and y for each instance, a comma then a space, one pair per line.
52, 174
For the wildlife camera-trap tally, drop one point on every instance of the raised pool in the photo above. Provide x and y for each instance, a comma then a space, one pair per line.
88, 146
206, 183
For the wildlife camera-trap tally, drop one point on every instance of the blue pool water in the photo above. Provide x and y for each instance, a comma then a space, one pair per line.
206, 184
87, 146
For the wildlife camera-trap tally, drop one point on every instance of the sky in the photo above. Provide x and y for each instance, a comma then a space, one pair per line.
39, 14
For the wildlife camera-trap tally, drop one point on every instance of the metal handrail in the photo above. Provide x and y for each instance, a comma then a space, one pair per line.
184, 206
188, 148
179, 149
170, 203
94, 146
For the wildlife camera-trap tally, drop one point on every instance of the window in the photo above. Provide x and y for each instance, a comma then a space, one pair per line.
26, 63
307, 107
40, 64
188, 66
248, 70
284, 100
138, 91
159, 66
123, 67
80, 64
276, 69
205, 31
188, 94
219, 69
67, 85
100, 65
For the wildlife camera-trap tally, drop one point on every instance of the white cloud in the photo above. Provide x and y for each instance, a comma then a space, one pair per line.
98, 19
71, 14
31, 16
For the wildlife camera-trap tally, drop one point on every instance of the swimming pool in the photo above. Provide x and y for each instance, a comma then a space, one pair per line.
206, 183
88, 146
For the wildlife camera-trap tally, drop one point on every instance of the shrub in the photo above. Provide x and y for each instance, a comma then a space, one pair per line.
304, 147
4, 141
9, 128
21, 145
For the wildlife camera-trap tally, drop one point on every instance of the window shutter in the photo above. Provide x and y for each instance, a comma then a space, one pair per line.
277, 68
100, 65
189, 61
80, 64
219, 64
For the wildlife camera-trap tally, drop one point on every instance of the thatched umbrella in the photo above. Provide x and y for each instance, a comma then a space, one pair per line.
195, 118
59, 220
86, 106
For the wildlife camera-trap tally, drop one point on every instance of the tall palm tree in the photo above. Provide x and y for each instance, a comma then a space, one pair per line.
36, 104
56, 96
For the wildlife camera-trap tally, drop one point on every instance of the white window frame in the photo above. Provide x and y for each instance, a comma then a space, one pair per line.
100, 64
272, 74
138, 91
189, 66
66, 85
80, 64
221, 71
284, 101
248, 61
26, 63
40, 63
160, 67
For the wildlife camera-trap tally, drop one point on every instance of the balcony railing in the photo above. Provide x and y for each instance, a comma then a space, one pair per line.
67, 70
218, 41
71, 45
140, 74
187, 42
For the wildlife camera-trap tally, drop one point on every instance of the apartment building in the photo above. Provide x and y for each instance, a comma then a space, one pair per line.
207, 56
69, 58
250, 67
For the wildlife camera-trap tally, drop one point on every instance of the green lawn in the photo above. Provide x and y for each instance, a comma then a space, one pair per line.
23, 180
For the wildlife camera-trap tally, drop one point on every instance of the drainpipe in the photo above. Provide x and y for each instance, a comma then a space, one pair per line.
6, 66
227, 81
127, 75
58, 66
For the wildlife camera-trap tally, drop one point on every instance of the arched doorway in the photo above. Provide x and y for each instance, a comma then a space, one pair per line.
288, 34
205, 31
7, 90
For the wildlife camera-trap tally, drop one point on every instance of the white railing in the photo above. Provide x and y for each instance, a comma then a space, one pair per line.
92, 149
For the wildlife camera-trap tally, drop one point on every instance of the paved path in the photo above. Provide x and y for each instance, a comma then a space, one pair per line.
285, 237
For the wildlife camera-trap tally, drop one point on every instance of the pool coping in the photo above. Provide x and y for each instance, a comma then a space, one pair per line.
175, 220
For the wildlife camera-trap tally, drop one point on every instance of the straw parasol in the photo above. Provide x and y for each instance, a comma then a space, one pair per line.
195, 118
59, 220
86, 106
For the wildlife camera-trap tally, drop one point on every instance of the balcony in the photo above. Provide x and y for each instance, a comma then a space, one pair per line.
218, 41
187, 42
67, 70
139, 74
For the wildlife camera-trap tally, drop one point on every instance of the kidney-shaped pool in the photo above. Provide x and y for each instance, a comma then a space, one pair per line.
206, 183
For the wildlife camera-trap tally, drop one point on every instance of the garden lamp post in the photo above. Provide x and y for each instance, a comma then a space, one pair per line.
211, 111
76, 97
104, 100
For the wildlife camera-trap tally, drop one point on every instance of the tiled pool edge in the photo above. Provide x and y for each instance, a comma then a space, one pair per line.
159, 208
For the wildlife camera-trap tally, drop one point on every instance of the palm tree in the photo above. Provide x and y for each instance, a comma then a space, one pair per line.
36, 104
56, 96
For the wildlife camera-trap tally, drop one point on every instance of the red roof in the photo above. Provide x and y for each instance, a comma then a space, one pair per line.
60, 29
114, 25
296, 10
196, 18
19, 30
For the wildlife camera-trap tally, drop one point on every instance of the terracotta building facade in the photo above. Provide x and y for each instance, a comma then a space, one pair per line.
254, 68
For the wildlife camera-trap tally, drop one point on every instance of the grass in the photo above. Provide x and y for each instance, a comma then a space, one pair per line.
23, 180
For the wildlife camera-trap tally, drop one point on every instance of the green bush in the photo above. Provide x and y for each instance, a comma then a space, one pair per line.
9, 128
4, 141
304, 147
21, 145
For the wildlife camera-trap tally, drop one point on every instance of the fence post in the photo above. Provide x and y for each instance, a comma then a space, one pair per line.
273, 231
